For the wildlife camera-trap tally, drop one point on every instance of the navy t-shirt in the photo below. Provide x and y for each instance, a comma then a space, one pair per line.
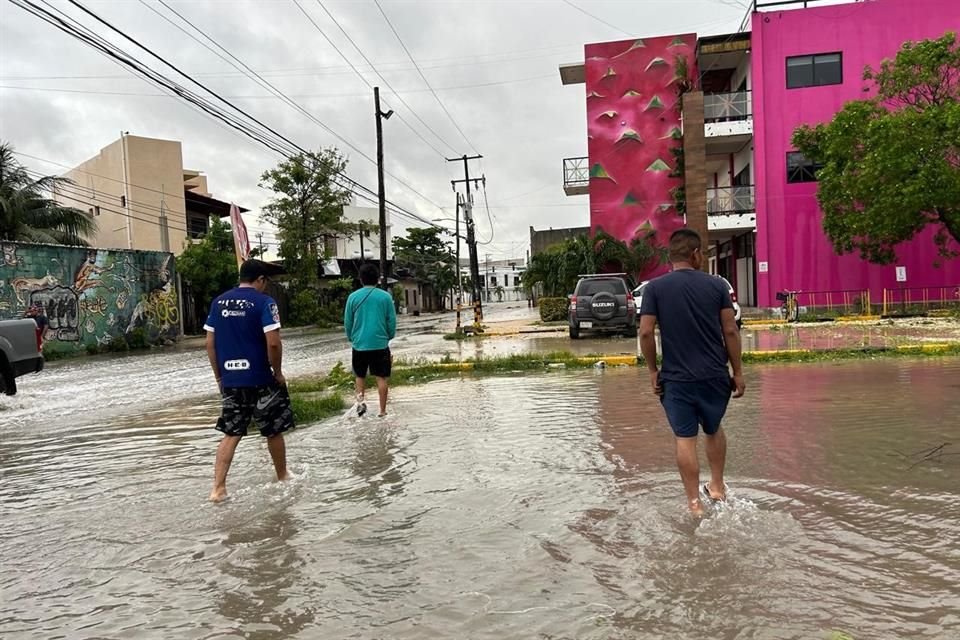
687, 305
238, 320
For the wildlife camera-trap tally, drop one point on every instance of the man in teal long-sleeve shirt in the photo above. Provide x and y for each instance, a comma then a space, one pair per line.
370, 322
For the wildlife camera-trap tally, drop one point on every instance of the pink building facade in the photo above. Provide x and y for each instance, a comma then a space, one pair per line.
633, 124
765, 226
792, 251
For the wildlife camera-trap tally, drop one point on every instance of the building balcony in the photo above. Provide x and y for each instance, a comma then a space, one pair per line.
576, 176
728, 121
731, 208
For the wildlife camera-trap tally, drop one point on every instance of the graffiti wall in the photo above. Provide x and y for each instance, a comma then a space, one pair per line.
633, 122
90, 297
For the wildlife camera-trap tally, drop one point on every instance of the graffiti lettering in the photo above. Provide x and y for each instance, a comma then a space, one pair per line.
61, 307
96, 306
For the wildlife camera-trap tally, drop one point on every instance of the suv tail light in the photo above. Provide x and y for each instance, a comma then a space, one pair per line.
631, 303
573, 303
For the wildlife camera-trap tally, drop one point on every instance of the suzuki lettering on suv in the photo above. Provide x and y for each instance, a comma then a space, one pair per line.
602, 303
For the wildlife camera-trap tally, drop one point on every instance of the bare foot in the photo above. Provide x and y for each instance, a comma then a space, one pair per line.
718, 495
218, 495
696, 508
286, 476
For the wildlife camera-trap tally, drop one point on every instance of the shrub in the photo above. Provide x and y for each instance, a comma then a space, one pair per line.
553, 309
304, 308
138, 339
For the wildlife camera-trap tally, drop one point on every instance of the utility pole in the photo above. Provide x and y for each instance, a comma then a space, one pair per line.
471, 236
260, 240
363, 257
381, 197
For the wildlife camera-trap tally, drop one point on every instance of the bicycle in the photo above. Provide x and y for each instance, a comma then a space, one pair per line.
790, 309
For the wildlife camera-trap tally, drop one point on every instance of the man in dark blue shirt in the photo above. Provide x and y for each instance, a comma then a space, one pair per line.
698, 336
244, 348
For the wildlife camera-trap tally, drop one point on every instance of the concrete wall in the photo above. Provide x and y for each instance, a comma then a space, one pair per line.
91, 296
154, 182
540, 241
350, 247
632, 123
790, 237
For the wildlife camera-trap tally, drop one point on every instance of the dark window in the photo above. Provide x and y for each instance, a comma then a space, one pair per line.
197, 225
815, 70
742, 179
516, 281
800, 169
593, 287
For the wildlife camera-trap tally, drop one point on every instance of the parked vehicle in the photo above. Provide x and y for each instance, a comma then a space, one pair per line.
602, 302
19, 352
638, 296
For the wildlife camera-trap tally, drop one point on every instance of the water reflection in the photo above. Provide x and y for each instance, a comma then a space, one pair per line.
261, 576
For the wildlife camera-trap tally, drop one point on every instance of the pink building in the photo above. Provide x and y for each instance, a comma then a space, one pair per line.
799, 65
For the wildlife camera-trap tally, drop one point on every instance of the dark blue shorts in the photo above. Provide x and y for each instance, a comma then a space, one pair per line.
690, 405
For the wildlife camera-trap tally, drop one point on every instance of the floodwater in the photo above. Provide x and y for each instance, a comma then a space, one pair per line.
542, 506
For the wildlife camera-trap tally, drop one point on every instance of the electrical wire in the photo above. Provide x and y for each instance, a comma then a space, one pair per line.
598, 19
420, 71
276, 142
365, 81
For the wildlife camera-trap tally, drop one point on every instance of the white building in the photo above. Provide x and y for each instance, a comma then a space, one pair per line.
368, 241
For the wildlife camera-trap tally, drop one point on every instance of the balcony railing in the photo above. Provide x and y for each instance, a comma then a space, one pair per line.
576, 176
726, 107
727, 200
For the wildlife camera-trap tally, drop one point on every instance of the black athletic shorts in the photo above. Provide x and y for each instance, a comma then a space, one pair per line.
378, 363
267, 407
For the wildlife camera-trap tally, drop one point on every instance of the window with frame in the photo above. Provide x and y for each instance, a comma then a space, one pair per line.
814, 70
800, 168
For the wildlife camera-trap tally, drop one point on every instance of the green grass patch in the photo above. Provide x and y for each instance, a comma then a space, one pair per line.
314, 409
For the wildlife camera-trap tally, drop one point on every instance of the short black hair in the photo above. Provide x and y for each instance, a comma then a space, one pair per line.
683, 242
252, 269
369, 274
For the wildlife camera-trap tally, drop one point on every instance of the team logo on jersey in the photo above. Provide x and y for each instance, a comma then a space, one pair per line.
275, 313
232, 313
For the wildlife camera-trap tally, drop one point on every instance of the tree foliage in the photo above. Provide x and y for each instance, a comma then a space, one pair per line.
209, 266
28, 215
308, 208
891, 162
428, 257
557, 269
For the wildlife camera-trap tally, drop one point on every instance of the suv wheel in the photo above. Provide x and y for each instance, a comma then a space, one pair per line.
630, 331
8, 382
603, 306
574, 333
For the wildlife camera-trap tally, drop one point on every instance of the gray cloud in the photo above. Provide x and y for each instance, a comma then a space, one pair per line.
523, 129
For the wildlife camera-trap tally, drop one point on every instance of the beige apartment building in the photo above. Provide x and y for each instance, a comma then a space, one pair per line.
141, 197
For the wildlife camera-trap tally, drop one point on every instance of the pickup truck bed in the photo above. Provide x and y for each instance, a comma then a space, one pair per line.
19, 352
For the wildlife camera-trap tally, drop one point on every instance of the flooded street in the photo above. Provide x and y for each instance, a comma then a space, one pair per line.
542, 506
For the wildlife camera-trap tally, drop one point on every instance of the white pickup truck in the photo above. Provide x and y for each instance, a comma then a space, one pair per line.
19, 352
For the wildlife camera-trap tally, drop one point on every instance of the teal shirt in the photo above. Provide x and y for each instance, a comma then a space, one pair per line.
370, 319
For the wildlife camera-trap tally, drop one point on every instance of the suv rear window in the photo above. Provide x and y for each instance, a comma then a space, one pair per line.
593, 287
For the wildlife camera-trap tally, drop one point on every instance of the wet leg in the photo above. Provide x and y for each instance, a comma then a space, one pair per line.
689, 467
717, 457
383, 386
278, 452
225, 451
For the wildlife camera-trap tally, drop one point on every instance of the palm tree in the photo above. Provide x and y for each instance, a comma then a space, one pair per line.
27, 215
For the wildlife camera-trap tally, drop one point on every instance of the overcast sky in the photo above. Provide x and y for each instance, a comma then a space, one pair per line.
493, 64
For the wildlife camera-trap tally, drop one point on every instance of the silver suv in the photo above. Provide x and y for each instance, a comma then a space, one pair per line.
602, 303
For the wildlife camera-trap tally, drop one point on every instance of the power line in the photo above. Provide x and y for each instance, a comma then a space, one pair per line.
278, 143
307, 96
598, 19
266, 84
427, 82
385, 81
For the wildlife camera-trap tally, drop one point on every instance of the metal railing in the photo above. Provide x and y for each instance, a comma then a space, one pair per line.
726, 200
576, 172
920, 300
724, 107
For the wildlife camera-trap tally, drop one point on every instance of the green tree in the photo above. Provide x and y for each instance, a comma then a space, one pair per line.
891, 163
308, 208
209, 267
28, 215
428, 257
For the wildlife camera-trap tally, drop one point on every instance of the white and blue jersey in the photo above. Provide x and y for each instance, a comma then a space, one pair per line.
238, 320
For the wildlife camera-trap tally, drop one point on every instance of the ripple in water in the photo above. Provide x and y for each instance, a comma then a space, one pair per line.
541, 506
